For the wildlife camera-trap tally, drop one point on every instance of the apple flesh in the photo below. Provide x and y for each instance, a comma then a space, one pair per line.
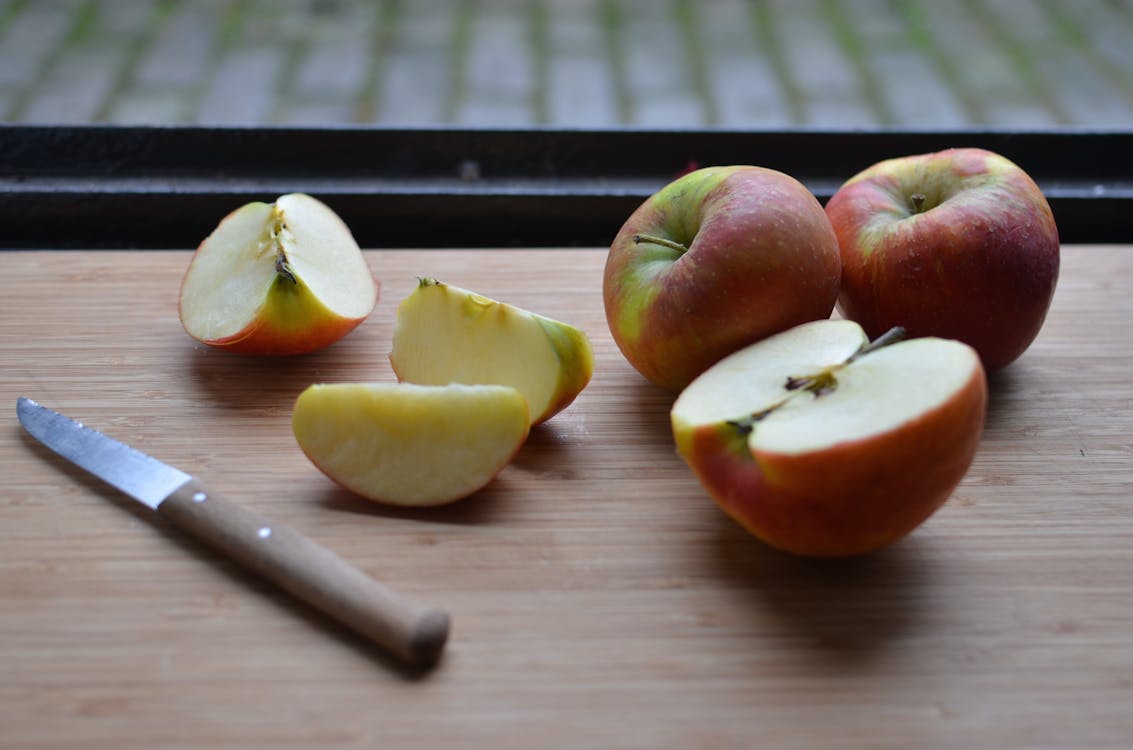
410, 445
446, 334
958, 244
718, 259
822, 444
277, 279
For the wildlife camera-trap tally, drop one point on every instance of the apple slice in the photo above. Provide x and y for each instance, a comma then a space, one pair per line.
275, 279
823, 444
445, 334
410, 445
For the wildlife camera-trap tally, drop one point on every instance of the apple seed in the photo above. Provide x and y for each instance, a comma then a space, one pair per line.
820, 384
283, 268
745, 425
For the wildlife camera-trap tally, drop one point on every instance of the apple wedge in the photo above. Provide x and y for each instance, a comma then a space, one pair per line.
410, 445
823, 444
277, 279
445, 334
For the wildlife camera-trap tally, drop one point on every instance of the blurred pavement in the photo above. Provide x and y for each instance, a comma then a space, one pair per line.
762, 64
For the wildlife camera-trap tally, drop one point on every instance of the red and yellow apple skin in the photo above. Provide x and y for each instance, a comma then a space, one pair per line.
849, 500
824, 444
977, 260
761, 257
290, 322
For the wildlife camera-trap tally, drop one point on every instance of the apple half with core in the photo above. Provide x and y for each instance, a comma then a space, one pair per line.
958, 244
410, 445
824, 444
446, 334
718, 259
277, 279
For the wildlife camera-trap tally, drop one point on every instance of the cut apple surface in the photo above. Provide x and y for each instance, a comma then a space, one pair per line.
410, 445
276, 279
445, 334
821, 443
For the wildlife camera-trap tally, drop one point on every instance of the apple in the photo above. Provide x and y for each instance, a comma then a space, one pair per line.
718, 259
410, 445
446, 334
823, 444
277, 279
958, 244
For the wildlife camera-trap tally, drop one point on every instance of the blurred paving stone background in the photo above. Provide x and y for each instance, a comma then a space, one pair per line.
747, 64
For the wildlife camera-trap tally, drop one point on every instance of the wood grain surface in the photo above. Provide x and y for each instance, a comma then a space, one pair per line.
599, 598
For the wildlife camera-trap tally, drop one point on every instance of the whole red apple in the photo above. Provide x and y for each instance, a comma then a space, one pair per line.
716, 260
958, 244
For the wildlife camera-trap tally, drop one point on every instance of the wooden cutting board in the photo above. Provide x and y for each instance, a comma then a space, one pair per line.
599, 598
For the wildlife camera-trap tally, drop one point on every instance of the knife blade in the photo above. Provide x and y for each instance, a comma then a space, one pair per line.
309, 571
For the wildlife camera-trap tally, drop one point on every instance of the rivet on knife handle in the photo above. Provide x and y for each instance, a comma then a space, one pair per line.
311, 572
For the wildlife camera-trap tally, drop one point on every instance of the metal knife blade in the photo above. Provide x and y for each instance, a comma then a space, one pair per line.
306, 569
140, 476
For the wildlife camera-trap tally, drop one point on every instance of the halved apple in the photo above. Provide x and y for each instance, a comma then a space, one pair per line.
410, 445
821, 443
275, 279
445, 334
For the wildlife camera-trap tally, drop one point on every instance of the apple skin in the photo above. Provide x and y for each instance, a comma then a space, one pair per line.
829, 504
851, 499
979, 263
291, 322
574, 350
762, 257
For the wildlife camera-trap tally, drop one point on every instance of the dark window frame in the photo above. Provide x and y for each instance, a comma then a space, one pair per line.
152, 187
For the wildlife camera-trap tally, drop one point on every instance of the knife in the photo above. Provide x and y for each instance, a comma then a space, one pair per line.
311, 572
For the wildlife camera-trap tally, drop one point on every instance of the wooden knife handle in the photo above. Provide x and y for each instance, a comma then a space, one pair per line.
311, 572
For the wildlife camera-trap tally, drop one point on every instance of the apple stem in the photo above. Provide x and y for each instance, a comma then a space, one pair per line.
918, 200
892, 336
655, 240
